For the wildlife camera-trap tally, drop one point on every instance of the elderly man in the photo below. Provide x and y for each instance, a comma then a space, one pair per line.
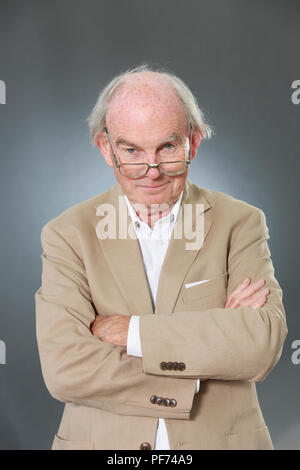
151, 341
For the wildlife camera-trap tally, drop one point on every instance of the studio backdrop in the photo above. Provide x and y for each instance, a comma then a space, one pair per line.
241, 60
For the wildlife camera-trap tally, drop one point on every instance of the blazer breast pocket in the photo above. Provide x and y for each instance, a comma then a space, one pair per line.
215, 286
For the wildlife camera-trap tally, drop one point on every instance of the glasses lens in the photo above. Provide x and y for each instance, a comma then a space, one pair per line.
139, 170
173, 168
133, 171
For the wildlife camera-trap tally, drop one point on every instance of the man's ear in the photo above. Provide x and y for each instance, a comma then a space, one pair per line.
196, 139
102, 143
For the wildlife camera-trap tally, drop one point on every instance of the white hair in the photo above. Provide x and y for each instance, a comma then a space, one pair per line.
194, 115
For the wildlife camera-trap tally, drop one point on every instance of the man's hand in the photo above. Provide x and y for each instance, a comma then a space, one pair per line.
112, 328
248, 295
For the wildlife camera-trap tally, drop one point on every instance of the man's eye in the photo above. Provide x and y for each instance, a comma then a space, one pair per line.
169, 146
130, 150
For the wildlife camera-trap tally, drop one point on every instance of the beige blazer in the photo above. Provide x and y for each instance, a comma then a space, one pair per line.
107, 393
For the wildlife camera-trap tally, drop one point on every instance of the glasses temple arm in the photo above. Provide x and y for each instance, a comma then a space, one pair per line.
114, 156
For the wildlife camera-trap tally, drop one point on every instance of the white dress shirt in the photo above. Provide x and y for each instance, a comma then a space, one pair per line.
154, 243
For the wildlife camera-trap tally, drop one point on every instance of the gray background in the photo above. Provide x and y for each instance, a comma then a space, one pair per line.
239, 58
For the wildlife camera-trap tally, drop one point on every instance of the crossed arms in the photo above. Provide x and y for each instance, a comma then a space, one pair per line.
220, 343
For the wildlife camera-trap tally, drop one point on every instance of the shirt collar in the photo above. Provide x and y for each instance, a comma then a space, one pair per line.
172, 215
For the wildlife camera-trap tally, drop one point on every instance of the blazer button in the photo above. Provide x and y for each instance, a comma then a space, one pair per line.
159, 401
163, 365
145, 446
170, 365
153, 399
173, 402
181, 366
175, 365
167, 402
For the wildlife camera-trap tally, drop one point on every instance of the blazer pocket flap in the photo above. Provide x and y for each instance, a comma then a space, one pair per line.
65, 444
213, 286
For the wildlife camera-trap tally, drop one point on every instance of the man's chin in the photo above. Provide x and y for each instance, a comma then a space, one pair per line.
148, 199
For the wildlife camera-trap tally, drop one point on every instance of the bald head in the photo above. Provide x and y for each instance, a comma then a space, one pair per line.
144, 87
142, 95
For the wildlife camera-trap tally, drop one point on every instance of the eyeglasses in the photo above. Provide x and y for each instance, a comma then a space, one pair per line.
173, 167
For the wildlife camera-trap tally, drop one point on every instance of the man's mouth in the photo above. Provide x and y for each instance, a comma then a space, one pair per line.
153, 186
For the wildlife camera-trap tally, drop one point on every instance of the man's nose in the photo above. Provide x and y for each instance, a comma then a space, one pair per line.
153, 173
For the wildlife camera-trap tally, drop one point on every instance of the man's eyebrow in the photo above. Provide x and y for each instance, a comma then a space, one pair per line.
173, 138
121, 141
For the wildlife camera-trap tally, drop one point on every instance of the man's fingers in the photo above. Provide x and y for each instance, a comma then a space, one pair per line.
255, 300
103, 324
258, 299
242, 292
239, 288
251, 290
98, 325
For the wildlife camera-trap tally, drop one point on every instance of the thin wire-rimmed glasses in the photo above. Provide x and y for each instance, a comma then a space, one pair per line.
138, 170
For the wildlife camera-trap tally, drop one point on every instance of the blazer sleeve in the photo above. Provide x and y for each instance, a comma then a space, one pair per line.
224, 343
76, 365
134, 347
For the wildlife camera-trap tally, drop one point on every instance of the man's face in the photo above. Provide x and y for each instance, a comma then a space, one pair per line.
149, 129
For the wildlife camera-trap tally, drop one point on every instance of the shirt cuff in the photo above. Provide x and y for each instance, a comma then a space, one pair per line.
197, 386
133, 339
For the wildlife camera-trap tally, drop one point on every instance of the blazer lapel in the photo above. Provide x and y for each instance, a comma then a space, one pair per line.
178, 258
124, 256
